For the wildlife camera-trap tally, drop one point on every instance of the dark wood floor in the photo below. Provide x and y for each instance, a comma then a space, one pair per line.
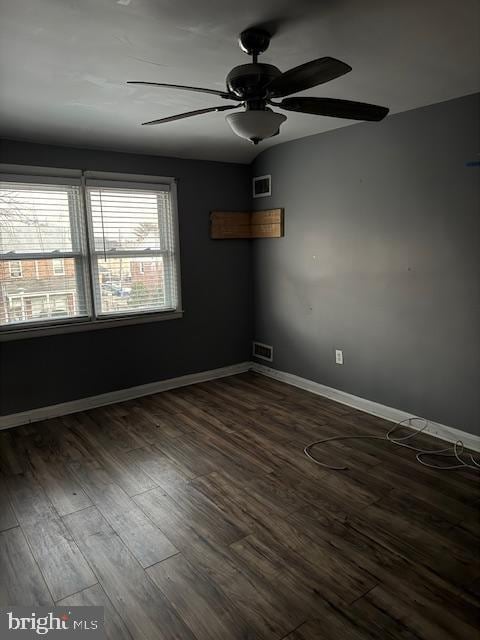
193, 514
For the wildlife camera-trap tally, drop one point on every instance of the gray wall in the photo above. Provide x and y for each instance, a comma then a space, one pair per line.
380, 259
216, 289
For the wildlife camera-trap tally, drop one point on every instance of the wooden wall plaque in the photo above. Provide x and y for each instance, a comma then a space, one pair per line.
246, 224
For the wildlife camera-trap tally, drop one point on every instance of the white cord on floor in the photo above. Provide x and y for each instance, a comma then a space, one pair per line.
454, 451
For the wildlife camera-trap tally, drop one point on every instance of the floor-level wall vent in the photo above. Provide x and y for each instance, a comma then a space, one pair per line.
263, 351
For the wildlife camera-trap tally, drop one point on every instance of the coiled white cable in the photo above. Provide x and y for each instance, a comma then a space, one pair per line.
455, 451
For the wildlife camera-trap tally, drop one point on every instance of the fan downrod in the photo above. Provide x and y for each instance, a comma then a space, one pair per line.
254, 41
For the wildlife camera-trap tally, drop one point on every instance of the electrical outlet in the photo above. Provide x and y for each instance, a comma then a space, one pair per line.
338, 356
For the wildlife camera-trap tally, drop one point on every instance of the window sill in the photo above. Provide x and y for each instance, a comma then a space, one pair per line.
85, 325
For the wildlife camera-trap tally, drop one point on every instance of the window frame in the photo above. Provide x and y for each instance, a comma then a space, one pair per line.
94, 320
78, 251
167, 254
19, 264
56, 262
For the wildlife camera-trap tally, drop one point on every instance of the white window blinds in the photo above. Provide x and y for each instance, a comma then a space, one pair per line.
133, 249
39, 224
72, 251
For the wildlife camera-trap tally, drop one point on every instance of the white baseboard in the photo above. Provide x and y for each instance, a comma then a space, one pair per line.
435, 429
74, 406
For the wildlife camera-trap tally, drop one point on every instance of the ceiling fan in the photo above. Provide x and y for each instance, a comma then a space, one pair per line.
255, 86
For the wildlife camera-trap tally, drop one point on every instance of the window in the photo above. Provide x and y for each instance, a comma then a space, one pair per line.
15, 268
37, 223
58, 267
130, 230
113, 257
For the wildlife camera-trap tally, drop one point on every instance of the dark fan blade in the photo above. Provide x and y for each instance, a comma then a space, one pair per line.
335, 108
222, 94
307, 75
188, 114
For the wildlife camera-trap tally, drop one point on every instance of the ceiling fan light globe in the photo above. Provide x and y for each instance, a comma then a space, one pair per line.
255, 125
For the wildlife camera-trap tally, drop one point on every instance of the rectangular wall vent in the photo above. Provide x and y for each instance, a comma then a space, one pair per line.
262, 186
263, 351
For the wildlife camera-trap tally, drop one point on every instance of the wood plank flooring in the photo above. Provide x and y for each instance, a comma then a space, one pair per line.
194, 515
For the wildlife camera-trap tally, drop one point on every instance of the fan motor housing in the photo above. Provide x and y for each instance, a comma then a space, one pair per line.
250, 80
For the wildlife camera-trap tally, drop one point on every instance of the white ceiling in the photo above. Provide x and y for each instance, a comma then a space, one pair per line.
64, 64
